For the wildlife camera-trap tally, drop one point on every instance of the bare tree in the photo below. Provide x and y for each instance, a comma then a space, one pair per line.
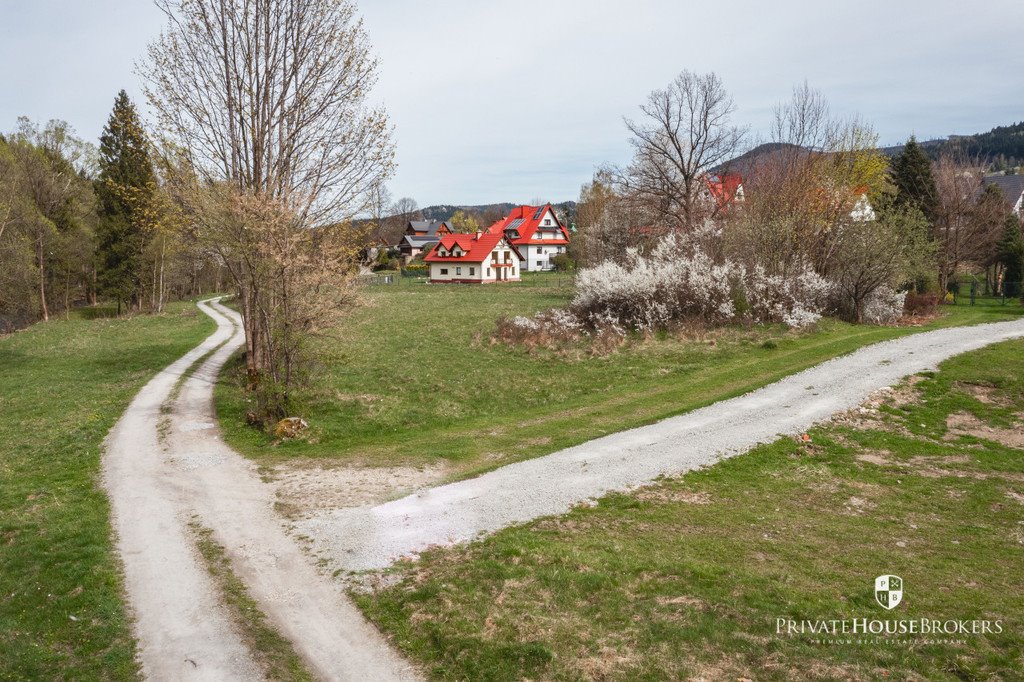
966, 227
405, 210
686, 132
800, 193
266, 101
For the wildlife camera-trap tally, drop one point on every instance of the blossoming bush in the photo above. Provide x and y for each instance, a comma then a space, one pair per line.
884, 306
678, 281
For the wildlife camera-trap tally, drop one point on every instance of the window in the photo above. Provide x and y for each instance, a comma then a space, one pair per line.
540, 250
547, 221
472, 271
444, 271
458, 271
488, 272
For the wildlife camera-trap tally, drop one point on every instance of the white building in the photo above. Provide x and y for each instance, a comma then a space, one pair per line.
474, 259
536, 233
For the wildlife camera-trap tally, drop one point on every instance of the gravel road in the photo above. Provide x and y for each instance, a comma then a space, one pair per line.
163, 475
374, 537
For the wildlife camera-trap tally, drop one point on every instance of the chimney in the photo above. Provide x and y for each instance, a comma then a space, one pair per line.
479, 233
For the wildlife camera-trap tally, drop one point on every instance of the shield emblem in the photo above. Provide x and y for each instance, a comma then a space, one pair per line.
888, 591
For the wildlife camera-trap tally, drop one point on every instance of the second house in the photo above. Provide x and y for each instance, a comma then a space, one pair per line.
474, 258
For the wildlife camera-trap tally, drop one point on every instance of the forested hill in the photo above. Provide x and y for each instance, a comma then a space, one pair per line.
1003, 146
446, 211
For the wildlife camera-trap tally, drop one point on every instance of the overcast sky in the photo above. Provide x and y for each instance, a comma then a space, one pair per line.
509, 100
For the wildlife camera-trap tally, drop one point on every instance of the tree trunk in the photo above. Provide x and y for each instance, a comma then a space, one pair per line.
42, 279
160, 299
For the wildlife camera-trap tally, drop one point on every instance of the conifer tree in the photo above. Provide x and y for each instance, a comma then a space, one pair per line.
126, 173
915, 184
1011, 255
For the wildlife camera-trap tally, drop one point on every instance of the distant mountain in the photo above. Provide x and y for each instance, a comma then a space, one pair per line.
1001, 147
566, 210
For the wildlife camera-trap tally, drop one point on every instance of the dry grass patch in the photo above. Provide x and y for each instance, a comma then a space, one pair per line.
967, 424
306, 487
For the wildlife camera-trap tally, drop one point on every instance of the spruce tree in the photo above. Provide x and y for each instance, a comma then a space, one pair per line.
1011, 255
912, 175
126, 174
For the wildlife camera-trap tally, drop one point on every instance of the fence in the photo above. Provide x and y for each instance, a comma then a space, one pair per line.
974, 293
535, 280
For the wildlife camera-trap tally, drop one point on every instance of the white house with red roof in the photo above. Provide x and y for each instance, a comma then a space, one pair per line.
474, 259
536, 232
725, 191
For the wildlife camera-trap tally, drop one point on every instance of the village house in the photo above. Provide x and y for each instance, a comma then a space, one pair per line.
421, 236
537, 234
474, 259
1012, 187
724, 191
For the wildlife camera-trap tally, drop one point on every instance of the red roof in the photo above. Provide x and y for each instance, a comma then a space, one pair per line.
724, 187
475, 248
525, 221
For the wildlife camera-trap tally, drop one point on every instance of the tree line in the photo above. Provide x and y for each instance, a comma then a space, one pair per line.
81, 223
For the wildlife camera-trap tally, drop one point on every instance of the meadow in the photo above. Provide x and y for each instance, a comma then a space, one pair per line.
413, 377
688, 578
63, 385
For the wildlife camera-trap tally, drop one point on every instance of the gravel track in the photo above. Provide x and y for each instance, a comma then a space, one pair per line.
158, 488
364, 538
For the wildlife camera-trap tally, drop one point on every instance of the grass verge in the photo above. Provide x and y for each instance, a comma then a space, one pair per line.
274, 653
686, 578
411, 378
63, 385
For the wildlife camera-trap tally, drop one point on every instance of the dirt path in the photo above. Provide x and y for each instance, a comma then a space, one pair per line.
162, 475
373, 537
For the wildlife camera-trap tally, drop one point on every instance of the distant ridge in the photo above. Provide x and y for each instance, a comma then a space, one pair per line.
1002, 147
446, 211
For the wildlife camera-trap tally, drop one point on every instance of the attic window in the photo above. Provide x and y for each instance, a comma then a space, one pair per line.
547, 221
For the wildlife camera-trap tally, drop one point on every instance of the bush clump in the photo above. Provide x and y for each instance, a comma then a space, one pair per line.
678, 281
884, 306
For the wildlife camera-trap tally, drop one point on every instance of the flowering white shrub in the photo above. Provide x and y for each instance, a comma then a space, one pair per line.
884, 306
679, 281
796, 302
675, 282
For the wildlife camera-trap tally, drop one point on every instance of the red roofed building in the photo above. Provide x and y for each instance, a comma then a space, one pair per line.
726, 190
536, 233
474, 259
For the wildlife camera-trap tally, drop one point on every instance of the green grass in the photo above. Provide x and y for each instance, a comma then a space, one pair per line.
63, 384
686, 578
411, 377
275, 654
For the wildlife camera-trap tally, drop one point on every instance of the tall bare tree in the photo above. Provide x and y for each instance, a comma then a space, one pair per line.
405, 210
686, 132
266, 99
967, 225
805, 188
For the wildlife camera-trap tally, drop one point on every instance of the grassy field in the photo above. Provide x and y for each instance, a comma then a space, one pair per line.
63, 384
412, 377
686, 579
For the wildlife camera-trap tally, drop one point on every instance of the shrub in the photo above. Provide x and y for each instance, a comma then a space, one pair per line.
678, 281
884, 306
548, 329
563, 263
921, 304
